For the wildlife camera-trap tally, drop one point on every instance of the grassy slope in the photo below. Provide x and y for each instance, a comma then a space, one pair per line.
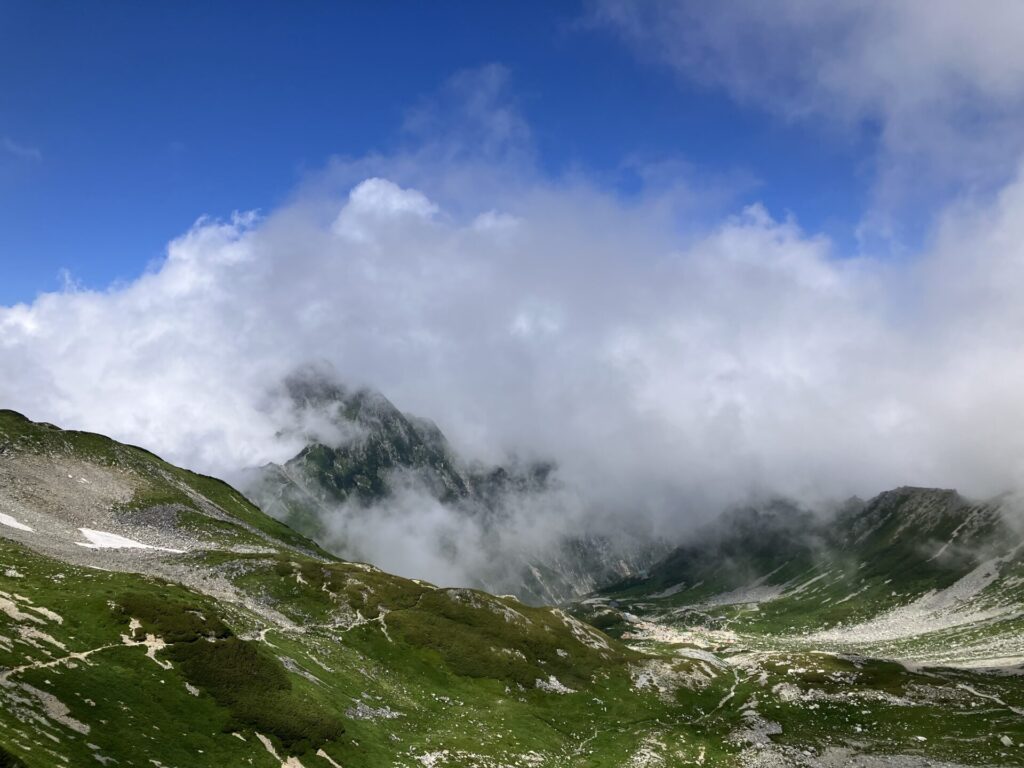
339, 661
162, 482
458, 668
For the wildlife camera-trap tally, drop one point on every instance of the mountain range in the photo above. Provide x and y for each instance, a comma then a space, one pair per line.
151, 616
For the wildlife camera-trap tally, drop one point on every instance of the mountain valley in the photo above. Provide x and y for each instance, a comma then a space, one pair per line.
153, 616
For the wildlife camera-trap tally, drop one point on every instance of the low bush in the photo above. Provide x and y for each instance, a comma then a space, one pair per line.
174, 620
7, 760
255, 688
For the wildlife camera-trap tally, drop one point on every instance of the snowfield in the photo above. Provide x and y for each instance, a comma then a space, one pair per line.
10, 522
105, 540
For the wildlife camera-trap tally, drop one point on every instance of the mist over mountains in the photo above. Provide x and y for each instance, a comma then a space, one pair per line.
377, 485
755, 365
887, 635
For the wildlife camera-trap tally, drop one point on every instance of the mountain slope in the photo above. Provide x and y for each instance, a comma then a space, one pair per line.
915, 573
151, 616
232, 640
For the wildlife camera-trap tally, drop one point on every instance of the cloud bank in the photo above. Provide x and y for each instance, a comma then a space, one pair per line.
567, 324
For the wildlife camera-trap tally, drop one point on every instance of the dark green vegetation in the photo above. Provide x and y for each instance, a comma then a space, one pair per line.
257, 691
169, 618
241, 643
240, 675
7, 760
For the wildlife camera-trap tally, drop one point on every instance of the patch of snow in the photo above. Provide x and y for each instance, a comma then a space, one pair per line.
11, 522
105, 540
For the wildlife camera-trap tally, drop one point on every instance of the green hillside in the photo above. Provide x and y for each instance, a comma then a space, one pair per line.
233, 639
150, 616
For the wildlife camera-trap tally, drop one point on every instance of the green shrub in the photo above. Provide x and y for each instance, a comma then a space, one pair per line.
254, 687
241, 676
173, 620
7, 760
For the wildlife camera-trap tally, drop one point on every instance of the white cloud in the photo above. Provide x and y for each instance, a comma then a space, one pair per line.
751, 360
940, 82
378, 200
17, 149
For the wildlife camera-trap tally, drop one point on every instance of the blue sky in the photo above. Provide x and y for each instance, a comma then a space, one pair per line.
122, 123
